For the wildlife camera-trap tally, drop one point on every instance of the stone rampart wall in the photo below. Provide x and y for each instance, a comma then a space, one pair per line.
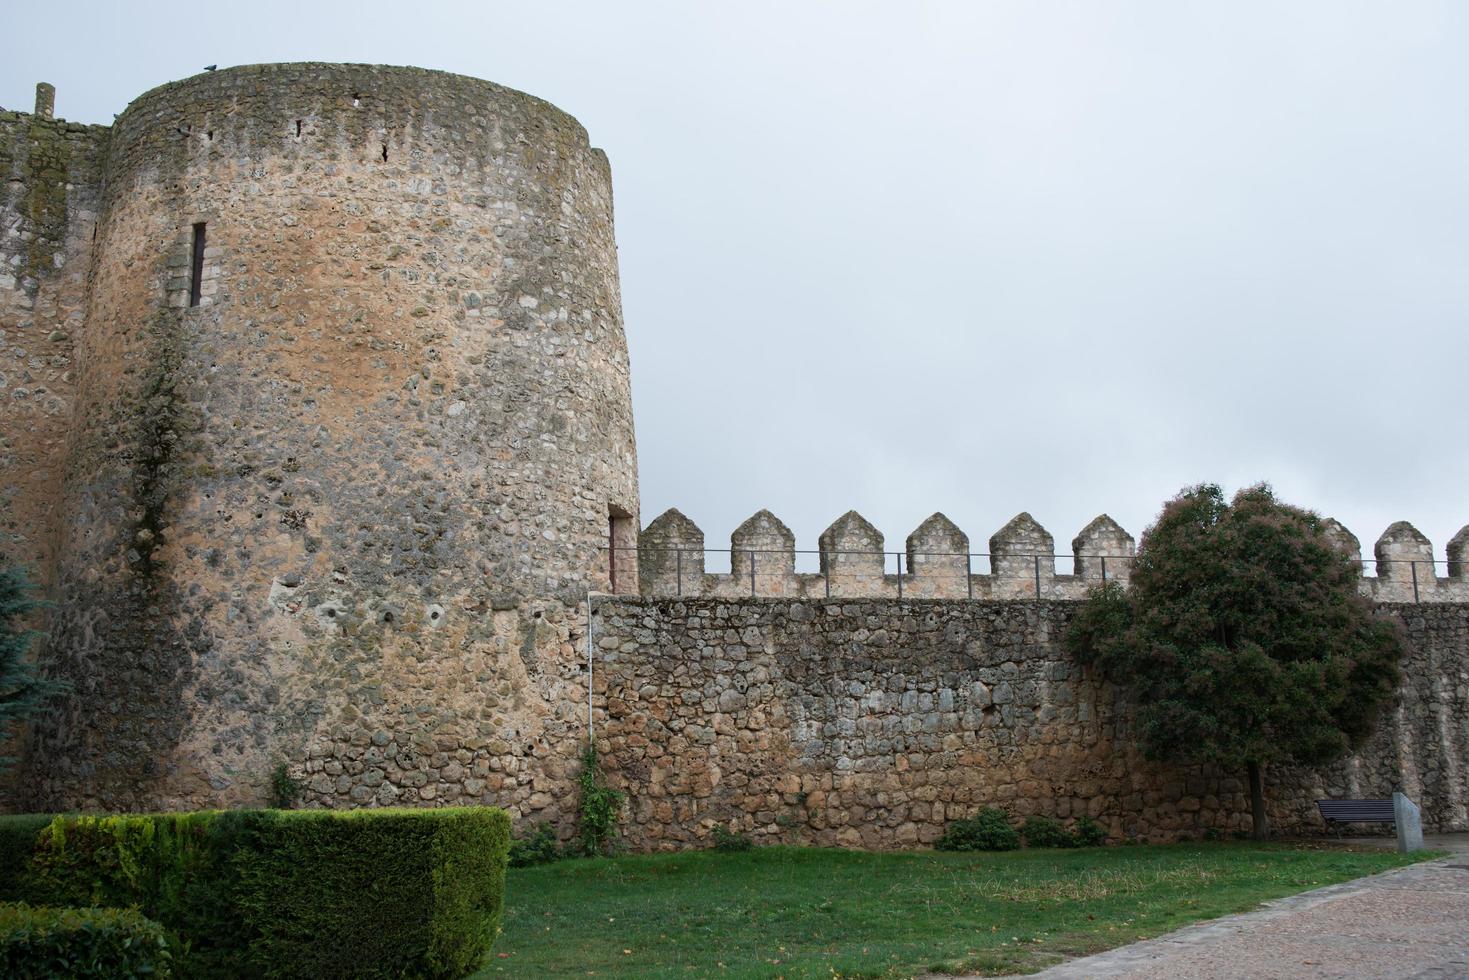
873, 722
50, 191
937, 562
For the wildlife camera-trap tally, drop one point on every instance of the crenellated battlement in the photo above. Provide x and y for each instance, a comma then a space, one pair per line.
1022, 562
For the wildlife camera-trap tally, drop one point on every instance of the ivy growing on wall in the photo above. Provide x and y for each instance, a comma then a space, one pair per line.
601, 807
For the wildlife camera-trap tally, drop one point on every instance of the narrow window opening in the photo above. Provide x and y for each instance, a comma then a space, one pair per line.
622, 555
298, 128
612, 553
209, 135
385, 153
196, 266
356, 100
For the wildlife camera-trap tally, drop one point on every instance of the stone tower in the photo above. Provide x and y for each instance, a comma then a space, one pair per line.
349, 431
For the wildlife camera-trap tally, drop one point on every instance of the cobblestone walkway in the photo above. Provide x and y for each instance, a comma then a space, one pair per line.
1409, 923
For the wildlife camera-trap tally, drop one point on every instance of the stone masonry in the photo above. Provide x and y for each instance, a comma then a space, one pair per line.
50, 196
335, 473
316, 428
872, 722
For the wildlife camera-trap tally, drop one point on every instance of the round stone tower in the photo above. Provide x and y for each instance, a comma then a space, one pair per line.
353, 429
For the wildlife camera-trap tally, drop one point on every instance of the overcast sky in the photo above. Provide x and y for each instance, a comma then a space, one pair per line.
970, 257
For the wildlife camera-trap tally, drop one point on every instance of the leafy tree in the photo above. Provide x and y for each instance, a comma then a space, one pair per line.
21, 690
1243, 640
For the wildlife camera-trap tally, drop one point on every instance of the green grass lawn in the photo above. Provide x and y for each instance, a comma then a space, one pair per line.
805, 912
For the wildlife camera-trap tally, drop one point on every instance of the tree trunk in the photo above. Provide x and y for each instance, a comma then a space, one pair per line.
1261, 828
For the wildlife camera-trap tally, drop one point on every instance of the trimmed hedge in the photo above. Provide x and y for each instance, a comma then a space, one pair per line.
18, 833
427, 903
178, 868
303, 893
57, 944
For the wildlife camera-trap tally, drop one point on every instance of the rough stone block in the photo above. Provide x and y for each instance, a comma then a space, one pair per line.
852, 557
938, 560
1409, 823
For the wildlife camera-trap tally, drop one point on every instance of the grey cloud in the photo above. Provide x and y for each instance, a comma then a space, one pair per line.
1063, 258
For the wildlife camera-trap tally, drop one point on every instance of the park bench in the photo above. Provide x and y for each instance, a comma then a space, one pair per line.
1339, 812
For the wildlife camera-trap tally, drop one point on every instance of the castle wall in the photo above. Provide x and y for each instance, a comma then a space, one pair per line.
333, 496
1021, 562
355, 492
50, 192
872, 722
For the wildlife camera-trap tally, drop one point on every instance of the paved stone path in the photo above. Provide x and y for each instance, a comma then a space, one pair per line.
1408, 923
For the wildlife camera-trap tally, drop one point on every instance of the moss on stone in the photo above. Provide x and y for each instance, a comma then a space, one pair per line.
158, 437
47, 163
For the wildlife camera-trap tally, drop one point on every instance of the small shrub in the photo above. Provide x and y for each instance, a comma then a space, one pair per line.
729, 841
601, 807
1045, 832
541, 847
59, 944
1089, 833
285, 789
989, 830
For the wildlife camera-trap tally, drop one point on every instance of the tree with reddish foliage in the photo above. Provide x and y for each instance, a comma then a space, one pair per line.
1242, 639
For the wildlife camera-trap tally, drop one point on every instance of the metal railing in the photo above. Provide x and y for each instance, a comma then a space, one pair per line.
1036, 568
1452, 570
1037, 565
